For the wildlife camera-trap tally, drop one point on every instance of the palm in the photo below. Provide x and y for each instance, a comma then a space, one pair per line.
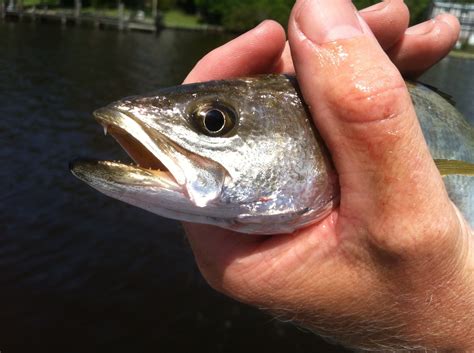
264, 259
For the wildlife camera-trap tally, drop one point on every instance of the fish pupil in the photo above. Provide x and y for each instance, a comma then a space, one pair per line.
214, 120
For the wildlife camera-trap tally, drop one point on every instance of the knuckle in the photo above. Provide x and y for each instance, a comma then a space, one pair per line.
373, 95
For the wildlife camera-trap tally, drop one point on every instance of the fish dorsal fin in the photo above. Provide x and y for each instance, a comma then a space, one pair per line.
445, 95
453, 167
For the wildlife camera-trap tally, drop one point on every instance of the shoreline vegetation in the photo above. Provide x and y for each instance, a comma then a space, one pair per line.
121, 19
464, 53
230, 15
234, 16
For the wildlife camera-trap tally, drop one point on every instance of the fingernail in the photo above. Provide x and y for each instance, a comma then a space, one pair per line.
446, 18
261, 24
377, 7
323, 21
422, 28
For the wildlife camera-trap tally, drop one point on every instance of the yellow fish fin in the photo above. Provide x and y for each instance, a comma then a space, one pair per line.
452, 167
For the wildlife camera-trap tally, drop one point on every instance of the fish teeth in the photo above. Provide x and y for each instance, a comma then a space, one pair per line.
105, 130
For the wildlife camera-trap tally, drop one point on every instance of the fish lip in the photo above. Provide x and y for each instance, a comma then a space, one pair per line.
121, 123
91, 170
108, 115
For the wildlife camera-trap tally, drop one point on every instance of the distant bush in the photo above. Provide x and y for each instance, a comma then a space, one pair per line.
244, 14
418, 8
166, 5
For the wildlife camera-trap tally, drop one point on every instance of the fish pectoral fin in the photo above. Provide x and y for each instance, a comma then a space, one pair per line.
453, 167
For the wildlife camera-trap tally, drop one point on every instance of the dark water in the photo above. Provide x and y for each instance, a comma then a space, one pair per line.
82, 272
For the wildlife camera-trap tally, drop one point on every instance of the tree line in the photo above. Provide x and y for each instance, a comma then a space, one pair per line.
240, 15
244, 14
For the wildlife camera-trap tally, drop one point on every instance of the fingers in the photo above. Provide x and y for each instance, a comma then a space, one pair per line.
388, 21
285, 64
412, 52
385, 15
363, 111
254, 52
263, 48
425, 44
392, 15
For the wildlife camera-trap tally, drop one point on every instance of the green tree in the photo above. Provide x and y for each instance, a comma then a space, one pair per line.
188, 6
418, 8
166, 5
243, 14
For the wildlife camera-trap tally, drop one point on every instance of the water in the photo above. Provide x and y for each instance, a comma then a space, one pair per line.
79, 271
82, 272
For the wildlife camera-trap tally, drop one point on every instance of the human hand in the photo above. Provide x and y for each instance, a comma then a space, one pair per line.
391, 267
265, 50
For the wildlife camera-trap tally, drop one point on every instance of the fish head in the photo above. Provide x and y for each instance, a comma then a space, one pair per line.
241, 154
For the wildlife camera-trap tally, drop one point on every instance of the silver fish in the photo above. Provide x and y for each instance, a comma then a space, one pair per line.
243, 154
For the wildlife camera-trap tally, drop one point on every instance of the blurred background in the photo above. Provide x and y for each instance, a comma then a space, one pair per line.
82, 272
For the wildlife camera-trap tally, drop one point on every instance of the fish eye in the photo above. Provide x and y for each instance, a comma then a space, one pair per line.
214, 119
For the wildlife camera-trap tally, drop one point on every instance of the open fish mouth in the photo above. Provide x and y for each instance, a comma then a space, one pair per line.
160, 162
141, 144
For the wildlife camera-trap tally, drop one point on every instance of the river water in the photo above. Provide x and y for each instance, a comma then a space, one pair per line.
82, 272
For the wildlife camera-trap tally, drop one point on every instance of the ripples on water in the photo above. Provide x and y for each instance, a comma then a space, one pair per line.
79, 271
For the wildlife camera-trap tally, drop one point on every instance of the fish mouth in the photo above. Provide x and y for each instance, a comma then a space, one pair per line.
115, 123
97, 173
141, 144
160, 162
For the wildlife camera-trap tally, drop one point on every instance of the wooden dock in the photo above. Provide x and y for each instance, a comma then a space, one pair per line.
71, 17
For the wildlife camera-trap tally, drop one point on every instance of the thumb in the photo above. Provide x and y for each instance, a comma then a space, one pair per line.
363, 111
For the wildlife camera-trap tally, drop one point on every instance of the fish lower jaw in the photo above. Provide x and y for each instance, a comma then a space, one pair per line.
95, 172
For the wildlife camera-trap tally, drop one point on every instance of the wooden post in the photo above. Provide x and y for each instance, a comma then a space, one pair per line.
19, 9
154, 8
121, 15
77, 9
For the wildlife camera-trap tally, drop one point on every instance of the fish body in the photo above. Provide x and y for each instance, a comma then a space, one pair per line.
243, 154
449, 137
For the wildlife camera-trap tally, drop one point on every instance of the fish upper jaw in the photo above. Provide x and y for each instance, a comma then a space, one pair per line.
201, 179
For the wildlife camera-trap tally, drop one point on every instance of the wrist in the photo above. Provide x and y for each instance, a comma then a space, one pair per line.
418, 305
440, 312
443, 306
